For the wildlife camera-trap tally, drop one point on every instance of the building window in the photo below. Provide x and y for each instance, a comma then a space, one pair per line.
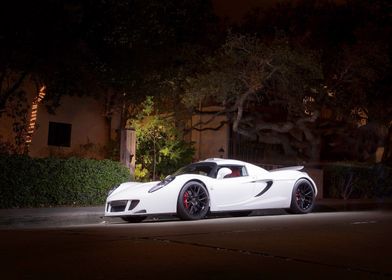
59, 134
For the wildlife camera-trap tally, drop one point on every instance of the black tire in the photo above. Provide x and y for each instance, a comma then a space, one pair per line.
134, 219
303, 197
193, 201
240, 213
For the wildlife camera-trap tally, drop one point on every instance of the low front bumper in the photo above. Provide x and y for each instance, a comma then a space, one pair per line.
117, 208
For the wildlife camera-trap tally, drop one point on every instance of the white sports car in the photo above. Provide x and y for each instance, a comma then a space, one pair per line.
214, 185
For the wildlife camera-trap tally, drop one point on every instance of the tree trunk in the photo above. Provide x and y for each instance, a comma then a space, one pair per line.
128, 149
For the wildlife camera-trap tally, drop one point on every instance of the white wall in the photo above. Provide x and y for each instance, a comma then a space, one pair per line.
85, 114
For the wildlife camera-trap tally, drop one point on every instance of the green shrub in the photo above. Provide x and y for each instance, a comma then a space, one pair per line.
161, 149
354, 180
28, 182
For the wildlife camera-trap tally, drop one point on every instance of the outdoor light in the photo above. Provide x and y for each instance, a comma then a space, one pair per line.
34, 113
221, 152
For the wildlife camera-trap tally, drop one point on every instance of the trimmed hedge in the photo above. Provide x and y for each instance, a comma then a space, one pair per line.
31, 182
354, 180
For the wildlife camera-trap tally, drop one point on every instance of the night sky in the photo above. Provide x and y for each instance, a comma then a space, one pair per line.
235, 9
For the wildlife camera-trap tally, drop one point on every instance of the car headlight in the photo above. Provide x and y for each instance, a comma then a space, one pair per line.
162, 183
113, 189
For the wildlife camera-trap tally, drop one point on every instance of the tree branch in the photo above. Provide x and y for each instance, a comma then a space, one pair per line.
222, 123
240, 108
4, 96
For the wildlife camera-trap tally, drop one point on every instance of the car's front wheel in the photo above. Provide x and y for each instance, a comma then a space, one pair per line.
303, 197
193, 201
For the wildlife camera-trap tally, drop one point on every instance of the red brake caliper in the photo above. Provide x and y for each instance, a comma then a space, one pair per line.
185, 199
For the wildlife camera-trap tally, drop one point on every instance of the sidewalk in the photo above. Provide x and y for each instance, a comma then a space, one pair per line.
50, 217
21, 218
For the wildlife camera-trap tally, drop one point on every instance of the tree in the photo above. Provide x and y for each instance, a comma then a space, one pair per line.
160, 149
352, 40
112, 50
248, 75
136, 44
27, 48
41, 45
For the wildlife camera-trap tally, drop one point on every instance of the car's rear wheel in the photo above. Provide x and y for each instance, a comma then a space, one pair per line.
193, 201
303, 197
134, 219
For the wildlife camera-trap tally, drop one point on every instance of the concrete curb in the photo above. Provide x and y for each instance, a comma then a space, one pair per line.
337, 205
50, 217
22, 218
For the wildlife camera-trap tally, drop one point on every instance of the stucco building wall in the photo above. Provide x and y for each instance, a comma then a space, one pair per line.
210, 139
89, 130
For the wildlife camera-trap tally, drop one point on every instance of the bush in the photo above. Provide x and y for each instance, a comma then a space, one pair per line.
354, 180
28, 182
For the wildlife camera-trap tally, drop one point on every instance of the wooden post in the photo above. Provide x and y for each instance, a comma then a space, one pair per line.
128, 148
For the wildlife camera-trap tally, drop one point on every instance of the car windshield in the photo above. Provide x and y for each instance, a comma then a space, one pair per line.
204, 168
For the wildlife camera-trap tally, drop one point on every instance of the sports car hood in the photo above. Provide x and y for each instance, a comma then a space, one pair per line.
134, 187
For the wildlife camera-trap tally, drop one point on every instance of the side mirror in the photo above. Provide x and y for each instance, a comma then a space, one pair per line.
223, 172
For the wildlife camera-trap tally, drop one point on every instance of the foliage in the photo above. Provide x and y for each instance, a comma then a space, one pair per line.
353, 180
352, 38
333, 64
7, 148
124, 50
160, 149
109, 49
247, 75
16, 110
28, 182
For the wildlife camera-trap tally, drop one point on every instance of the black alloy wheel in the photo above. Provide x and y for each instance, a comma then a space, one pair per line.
193, 201
303, 197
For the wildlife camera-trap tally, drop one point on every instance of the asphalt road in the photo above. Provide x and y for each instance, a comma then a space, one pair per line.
350, 245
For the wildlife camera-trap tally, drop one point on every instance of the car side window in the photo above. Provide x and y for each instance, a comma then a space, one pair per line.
236, 171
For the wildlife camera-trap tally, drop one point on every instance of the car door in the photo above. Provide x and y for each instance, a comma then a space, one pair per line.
233, 191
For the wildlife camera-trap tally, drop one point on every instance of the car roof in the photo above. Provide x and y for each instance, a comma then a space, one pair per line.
222, 161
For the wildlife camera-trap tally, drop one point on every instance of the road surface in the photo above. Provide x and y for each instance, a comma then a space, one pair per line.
348, 245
